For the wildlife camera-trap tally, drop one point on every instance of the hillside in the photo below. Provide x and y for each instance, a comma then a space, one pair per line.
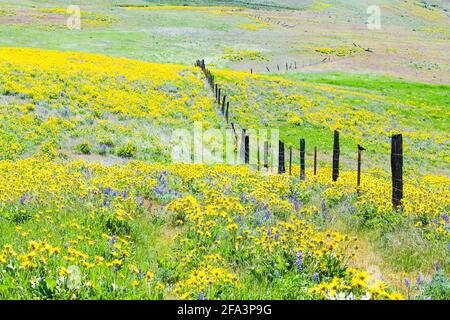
96, 204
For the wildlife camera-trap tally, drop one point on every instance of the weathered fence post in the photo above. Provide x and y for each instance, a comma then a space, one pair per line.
268, 69
223, 105
242, 151
358, 179
290, 160
278, 67
266, 154
227, 112
315, 160
251, 70
218, 96
397, 169
247, 150
258, 167
281, 162
302, 159
295, 64
217, 90
336, 156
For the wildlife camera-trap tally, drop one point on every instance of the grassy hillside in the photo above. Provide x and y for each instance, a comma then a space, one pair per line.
411, 43
93, 207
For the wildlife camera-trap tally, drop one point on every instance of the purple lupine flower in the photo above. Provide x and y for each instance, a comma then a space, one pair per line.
383, 278
22, 200
159, 190
239, 219
445, 217
114, 193
141, 201
105, 203
124, 194
66, 246
269, 232
149, 206
107, 190
243, 198
324, 208
296, 206
267, 214
407, 284
420, 279
436, 266
315, 277
276, 237
113, 239
201, 296
298, 262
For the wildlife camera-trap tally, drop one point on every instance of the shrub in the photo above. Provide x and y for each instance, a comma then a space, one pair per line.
84, 148
127, 151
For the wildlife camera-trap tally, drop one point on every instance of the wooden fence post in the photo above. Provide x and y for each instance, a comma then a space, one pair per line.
227, 110
358, 179
223, 105
281, 162
266, 154
217, 90
302, 159
315, 160
397, 169
336, 156
247, 150
290, 160
242, 151
258, 167
218, 96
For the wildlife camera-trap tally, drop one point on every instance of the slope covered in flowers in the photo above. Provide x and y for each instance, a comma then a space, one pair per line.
362, 116
75, 230
54, 99
81, 229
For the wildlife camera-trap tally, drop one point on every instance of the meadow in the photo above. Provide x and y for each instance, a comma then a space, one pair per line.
92, 206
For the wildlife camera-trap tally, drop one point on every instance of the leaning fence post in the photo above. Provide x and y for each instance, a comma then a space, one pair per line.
397, 169
336, 156
302, 159
281, 163
227, 111
223, 104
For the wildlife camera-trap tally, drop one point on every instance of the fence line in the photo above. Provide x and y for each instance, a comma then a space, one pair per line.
244, 152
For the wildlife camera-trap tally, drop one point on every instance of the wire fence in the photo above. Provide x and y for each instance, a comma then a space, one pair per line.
287, 155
